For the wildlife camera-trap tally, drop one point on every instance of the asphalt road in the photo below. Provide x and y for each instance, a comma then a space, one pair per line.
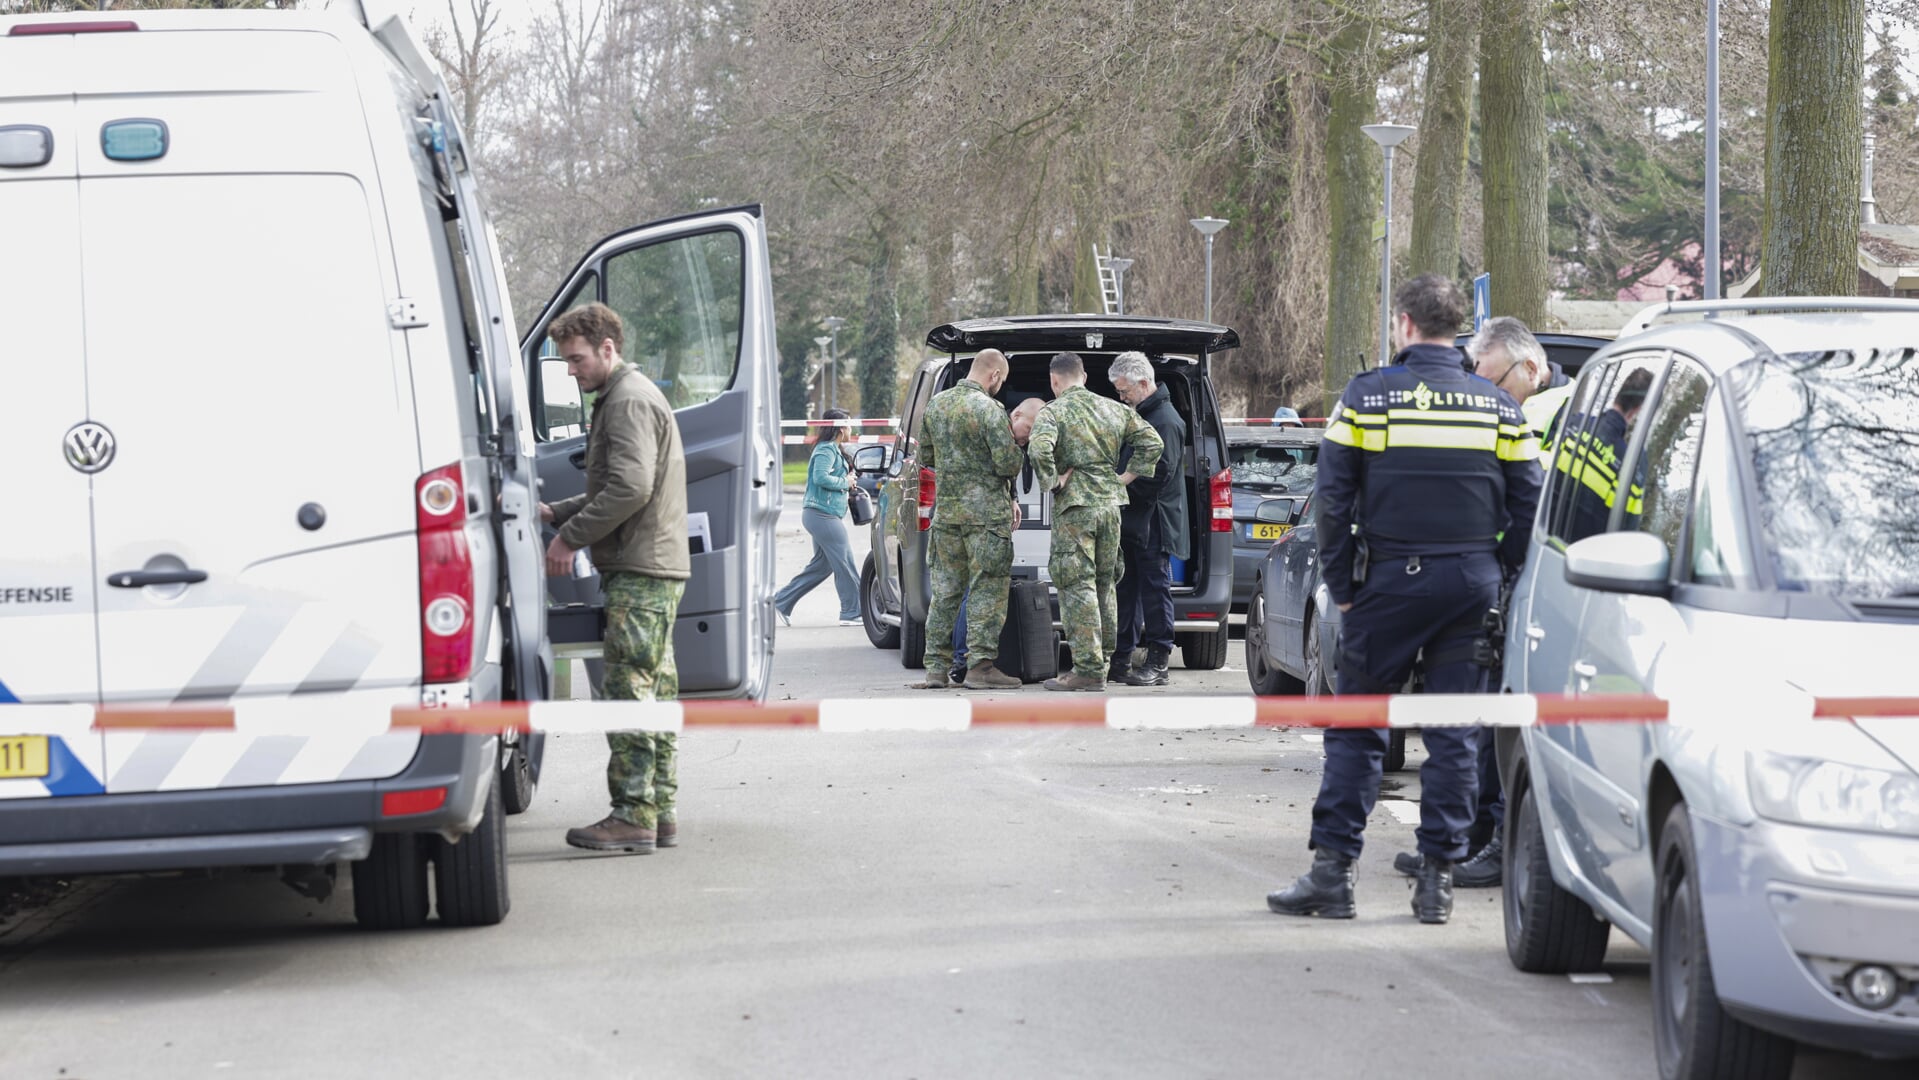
998, 903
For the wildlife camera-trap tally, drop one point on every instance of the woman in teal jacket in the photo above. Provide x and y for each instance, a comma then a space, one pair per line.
828, 477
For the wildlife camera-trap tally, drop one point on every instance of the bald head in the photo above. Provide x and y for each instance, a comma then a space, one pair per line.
1022, 419
989, 370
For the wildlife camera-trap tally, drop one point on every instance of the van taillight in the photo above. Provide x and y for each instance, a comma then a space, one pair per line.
1222, 492
106, 26
446, 576
927, 491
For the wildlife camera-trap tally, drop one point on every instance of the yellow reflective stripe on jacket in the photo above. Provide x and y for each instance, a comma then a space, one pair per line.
1447, 416
1345, 434
1357, 417
1446, 437
1521, 448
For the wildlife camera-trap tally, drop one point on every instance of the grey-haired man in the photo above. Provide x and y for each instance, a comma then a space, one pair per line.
1152, 527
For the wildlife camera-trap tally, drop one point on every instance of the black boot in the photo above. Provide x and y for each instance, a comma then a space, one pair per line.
1433, 891
1152, 672
1408, 863
1485, 869
1326, 890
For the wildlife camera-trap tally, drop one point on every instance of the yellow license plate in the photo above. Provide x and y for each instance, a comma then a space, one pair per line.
1270, 532
23, 757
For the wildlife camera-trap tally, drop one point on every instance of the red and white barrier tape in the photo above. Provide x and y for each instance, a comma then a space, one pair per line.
868, 421
935, 712
804, 440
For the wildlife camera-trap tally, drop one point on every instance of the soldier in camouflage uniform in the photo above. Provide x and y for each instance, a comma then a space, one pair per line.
968, 442
1075, 449
633, 517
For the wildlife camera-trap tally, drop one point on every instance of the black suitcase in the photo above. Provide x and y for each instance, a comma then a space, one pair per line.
1028, 644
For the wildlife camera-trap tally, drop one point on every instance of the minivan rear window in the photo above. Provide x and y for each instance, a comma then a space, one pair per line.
1835, 452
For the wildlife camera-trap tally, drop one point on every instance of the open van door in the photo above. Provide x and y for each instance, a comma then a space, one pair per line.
696, 296
527, 653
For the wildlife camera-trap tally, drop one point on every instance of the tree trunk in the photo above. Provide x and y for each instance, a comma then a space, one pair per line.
1512, 109
941, 302
1439, 182
1815, 122
879, 337
1352, 194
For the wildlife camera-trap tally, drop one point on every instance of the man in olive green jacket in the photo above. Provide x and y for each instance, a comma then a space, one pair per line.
633, 518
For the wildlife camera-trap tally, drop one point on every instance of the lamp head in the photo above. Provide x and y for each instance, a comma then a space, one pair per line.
1388, 135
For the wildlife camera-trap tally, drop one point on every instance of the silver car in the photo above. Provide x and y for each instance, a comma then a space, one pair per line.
1739, 536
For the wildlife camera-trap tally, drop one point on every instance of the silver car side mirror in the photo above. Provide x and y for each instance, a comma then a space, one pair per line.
872, 459
1622, 562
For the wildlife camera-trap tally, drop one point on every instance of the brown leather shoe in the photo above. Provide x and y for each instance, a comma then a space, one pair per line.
612, 834
935, 680
667, 834
987, 677
1073, 680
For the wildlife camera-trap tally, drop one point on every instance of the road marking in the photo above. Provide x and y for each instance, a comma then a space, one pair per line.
1405, 811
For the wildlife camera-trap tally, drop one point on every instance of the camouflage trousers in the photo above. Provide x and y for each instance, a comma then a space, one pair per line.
974, 562
642, 774
1085, 566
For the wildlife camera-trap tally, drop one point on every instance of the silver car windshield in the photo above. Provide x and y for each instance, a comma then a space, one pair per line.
1835, 438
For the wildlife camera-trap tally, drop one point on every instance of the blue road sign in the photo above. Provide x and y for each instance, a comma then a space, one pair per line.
1482, 300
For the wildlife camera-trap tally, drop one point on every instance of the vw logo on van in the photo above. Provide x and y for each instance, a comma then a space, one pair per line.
89, 446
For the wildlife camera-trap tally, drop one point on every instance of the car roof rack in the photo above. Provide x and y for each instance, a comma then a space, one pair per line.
1765, 306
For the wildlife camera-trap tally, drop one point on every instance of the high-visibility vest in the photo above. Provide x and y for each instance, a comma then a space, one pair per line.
1541, 410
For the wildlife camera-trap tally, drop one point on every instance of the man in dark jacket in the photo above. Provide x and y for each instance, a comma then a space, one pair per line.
1152, 526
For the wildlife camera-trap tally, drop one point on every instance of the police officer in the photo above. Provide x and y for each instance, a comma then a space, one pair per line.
1505, 353
1423, 466
969, 445
1076, 446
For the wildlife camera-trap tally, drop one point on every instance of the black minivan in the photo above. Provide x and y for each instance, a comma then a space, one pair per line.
894, 586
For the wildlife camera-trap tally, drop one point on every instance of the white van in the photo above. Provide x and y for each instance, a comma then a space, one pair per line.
272, 445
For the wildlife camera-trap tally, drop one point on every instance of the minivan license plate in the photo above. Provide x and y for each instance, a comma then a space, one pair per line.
23, 757
1268, 532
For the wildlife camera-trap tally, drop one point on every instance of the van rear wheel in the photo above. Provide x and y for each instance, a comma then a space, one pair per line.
389, 885
469, 877
1206, 650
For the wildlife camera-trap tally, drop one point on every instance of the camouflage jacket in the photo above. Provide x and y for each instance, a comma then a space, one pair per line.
1081, 431
968, 441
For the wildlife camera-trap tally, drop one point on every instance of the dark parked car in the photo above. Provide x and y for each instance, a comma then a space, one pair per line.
894, 586
1273, 471
1292, 626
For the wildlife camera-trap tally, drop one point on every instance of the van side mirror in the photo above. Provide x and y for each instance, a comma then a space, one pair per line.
1635, 563
872, 459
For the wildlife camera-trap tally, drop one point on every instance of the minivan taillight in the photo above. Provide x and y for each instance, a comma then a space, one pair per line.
446, 576
927, 491
1222, 492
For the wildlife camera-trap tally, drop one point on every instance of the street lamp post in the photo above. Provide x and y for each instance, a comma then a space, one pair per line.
1120, 266
1207, 226
823, 342
1713, 264
833, 324
1387, 136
